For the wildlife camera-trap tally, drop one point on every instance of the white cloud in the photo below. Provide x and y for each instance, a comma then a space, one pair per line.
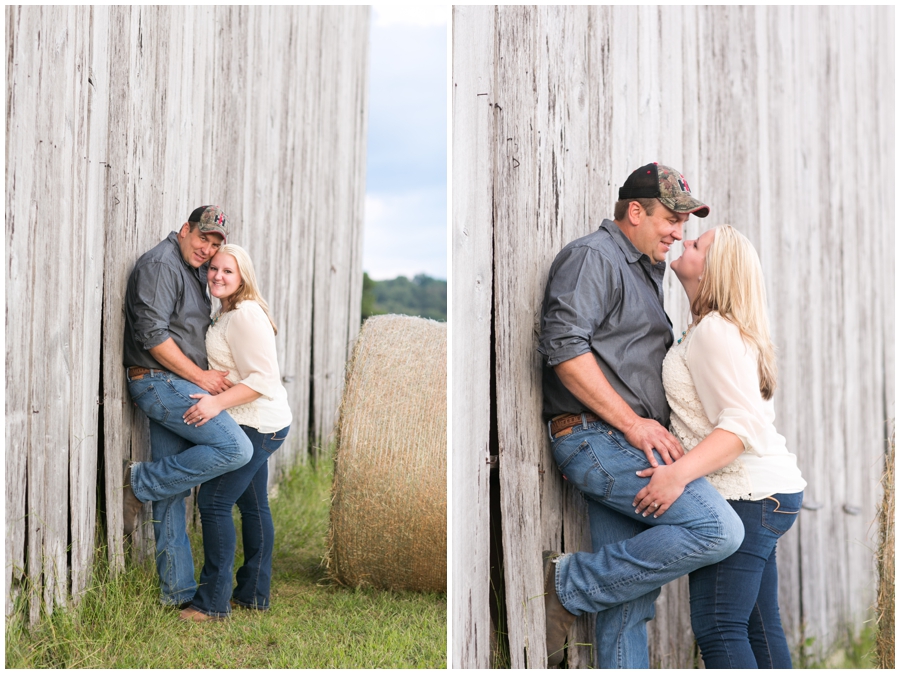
406, 234
424, 14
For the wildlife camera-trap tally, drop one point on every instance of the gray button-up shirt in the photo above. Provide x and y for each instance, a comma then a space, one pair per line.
166, 297
605, 296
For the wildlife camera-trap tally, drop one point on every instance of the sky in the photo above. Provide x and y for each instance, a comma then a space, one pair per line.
406, 173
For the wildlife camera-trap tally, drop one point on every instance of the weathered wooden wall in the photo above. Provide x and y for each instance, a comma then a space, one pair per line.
782, 119
120, 121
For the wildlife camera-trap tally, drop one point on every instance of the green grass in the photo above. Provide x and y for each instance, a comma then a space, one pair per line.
858, 653
313, 623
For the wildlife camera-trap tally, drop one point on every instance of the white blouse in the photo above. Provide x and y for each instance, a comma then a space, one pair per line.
242, 342
711, 381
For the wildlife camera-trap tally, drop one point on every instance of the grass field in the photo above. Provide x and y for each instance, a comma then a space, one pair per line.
313, 623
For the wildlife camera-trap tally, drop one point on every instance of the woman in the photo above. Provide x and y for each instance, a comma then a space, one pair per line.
240, 341
719, 382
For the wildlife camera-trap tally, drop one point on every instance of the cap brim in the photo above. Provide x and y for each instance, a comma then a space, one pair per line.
215, 231
685, 204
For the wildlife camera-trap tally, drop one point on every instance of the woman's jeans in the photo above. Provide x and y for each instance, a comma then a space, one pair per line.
633, 555
247, 487
734, 604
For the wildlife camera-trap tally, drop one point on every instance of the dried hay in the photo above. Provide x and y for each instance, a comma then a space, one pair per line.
884, 640
389, 496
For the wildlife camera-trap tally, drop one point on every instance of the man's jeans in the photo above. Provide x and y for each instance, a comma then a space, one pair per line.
246, 486
734, 604
633, 555
183, 457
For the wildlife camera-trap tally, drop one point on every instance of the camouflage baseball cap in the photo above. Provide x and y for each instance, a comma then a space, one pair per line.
655, 181
211, 219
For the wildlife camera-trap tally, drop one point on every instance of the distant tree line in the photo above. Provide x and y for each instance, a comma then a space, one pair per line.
422, 296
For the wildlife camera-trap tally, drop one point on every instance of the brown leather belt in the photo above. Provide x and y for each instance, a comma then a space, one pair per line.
136, 373
565, 422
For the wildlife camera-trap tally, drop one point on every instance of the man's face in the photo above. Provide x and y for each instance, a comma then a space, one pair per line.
656, 233
197, 247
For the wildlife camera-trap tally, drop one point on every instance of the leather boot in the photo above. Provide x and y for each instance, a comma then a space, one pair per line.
131, 506
192, 615
558, 619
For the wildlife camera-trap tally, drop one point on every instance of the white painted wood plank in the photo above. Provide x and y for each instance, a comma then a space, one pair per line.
21, 138
87, 259
52, 314
520, 159
474, 146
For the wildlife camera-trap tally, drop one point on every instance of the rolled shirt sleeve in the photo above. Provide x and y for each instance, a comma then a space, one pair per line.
252, 342
724, 369
156, 291
577, 301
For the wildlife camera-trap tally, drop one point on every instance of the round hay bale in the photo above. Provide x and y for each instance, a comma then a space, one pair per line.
389, 496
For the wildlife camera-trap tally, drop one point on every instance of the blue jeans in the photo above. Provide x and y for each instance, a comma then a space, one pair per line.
636, 555
621, 631
245, 486
183, 457
734, 604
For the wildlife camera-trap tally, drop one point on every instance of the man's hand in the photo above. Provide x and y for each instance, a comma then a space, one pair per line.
585, 380
213, 381
647, 435
666, 485
171, 358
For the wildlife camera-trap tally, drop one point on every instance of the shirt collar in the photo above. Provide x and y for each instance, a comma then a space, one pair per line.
632, 254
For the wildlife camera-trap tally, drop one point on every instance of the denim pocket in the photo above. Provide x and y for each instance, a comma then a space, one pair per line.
582, 468
779, 511
274, 440
145, 396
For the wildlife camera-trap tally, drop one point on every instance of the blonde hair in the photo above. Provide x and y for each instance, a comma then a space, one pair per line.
249, 288
732, 284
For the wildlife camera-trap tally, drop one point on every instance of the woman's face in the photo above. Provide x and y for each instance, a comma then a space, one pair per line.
223, 276
689, 267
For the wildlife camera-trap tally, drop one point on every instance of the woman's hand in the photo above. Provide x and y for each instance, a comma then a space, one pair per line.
666, 485
206, 408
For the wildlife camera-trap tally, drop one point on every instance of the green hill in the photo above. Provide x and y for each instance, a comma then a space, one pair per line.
422, 296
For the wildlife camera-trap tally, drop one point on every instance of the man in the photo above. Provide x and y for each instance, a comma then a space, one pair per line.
604, 334
167, 314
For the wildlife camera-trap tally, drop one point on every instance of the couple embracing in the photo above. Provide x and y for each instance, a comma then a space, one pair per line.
184, 369
711, 497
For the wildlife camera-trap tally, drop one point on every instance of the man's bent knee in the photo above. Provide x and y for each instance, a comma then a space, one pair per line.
730, 538
239, 454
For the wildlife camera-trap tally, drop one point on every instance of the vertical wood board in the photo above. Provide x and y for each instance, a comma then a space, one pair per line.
474, 155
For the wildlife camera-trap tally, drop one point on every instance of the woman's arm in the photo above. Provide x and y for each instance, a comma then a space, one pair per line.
717, 450
208, 406
585, 380
724, 371
252, 342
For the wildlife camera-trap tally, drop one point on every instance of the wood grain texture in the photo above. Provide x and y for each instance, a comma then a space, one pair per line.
20, 238
781, 117
473, 96
121, 120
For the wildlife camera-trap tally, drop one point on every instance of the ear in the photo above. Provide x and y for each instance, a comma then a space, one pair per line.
634, 213
185, 228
